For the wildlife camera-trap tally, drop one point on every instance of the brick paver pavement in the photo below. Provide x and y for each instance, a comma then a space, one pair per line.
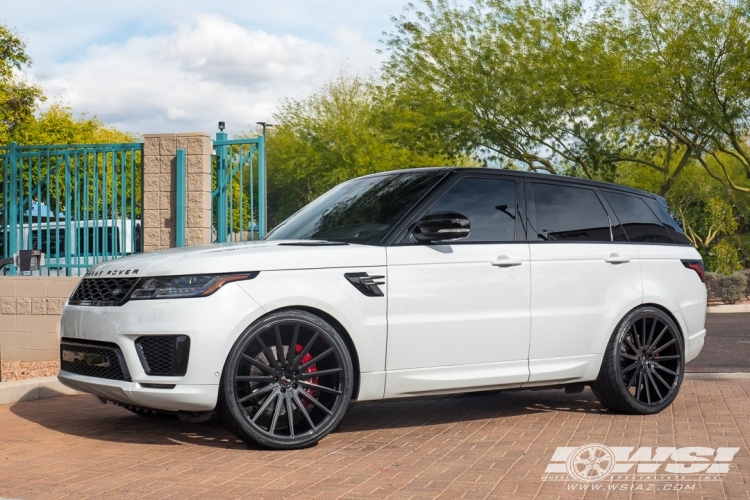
481, 445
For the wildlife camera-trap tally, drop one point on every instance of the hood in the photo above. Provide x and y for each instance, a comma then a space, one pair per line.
242, 256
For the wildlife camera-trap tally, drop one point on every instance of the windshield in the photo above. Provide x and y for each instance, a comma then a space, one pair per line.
358, 211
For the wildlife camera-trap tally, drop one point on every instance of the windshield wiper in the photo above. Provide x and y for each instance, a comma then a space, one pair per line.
312, 243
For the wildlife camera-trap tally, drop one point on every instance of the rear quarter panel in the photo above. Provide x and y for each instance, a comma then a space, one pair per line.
666, 282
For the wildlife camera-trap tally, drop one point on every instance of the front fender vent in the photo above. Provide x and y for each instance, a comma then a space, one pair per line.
366, 284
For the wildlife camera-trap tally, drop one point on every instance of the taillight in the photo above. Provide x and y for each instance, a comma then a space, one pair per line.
697, 266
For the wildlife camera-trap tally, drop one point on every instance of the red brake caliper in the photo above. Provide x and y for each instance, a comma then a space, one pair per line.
312, 369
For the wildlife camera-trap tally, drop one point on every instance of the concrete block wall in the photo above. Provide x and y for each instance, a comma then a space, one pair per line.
30, 309
159, 177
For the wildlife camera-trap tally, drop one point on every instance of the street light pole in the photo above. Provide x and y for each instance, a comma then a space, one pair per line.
264, 180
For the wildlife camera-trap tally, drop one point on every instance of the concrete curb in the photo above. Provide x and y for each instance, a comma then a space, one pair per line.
32, 389
709, 376
735, 308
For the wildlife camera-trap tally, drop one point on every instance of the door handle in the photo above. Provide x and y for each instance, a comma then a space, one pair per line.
505, 261
616, 259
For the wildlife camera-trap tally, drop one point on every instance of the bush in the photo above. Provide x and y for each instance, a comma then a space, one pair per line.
713, 286
728, 289
733, 288
746, 272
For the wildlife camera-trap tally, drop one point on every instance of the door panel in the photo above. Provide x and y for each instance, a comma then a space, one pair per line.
576, 294
449, 306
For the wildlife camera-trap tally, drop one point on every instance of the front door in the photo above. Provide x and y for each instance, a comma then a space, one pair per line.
458, 312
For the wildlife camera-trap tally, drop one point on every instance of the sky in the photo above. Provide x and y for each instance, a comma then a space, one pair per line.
177, 66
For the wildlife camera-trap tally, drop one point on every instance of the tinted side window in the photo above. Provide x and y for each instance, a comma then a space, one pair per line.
490, 205
639, 222
571, 214
674, 228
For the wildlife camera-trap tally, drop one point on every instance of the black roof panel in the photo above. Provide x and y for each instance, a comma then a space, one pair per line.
526, 175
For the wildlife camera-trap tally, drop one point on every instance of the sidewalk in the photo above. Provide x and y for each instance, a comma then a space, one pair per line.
484, 445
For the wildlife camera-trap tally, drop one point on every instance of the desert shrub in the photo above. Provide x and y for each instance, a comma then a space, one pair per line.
713, 286
733, 287
746, 272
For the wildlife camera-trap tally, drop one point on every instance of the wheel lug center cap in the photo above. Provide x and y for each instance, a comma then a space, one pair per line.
285, 381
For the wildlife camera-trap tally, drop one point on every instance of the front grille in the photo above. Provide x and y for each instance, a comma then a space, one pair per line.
100, 360
164, 355
102, 291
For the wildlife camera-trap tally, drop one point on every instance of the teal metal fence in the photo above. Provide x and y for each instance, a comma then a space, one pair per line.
239, 189
78, 204
180, 196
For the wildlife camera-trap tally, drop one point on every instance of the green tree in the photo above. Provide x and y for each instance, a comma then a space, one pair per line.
656, 84
487, 78
18, 98
59, 125
342, 130
705, 219
678, 73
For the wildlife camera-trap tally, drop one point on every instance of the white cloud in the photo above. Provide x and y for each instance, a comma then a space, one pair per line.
207, 69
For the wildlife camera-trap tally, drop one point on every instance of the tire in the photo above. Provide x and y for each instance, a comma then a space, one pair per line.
643, 365
289, 401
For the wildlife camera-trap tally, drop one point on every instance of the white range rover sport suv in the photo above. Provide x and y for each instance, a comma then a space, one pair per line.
405, 283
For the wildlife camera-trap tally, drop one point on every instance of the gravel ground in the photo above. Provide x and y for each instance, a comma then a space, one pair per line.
19, 370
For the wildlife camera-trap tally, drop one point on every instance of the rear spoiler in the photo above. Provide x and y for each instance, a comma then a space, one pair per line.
662, 201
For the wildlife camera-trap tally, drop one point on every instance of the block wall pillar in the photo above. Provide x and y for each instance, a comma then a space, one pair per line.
159, 170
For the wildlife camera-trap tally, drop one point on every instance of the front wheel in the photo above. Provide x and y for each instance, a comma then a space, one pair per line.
644, 364
287, 381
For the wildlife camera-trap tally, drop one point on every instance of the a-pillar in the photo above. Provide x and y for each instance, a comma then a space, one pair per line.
159, 173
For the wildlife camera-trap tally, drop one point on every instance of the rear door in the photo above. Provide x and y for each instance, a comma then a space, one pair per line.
582, 280
458, 312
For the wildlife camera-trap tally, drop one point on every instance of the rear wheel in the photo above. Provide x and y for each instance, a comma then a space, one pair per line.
644, 364
287, 381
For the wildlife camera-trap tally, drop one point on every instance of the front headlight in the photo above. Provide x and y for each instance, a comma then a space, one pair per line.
178, 287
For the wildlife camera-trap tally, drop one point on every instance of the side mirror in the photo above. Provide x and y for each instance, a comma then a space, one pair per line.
441, 226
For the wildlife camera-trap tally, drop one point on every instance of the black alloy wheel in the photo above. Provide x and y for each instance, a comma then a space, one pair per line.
644, 364
287, 381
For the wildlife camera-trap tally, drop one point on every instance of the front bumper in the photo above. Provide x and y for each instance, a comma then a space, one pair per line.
192, 398
213, 324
